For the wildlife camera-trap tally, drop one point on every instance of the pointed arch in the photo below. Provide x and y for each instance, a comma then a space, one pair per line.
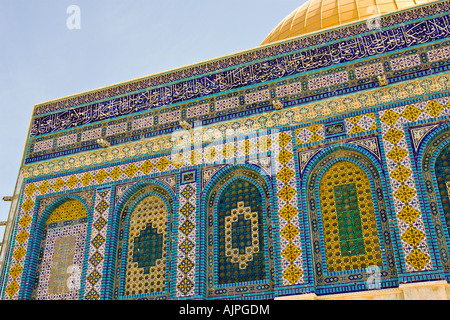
238, 237
142, 248
55, 265
345, 199
433, 171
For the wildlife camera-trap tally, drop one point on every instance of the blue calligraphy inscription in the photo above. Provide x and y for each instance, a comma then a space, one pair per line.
300, 62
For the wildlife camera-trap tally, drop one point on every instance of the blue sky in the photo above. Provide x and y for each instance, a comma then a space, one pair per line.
119, 40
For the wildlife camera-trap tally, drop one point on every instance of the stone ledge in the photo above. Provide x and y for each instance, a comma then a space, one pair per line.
431, 290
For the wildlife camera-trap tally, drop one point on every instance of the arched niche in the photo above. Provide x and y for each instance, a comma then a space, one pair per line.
348, 216
239, 244
58, 249
434, 175
143, 248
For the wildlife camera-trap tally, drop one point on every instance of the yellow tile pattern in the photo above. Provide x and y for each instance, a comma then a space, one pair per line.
70, 210
400, 172
341, 173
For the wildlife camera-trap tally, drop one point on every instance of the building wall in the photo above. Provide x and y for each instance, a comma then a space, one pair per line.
343, 190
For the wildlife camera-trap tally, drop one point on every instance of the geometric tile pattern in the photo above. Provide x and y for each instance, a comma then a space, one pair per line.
142, 257
187, 221
150, 238
292, 116
404, 190
405, 62
69, 210
360, 123
435, 194
349, 229
97, 248
287, 202
62, 252
103, 175
329, 80
442, 171
156, 165
350, 236
240, 234
63, 255
20, 248
147, 243
239, 242
62, 260
310, 134
99, 171
406, 203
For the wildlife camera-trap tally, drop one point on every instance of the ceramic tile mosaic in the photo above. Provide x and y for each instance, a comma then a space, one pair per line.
267, 121
98, 246
287, 203
253, 202
187, 242
319, 83
142, 256
62, 252
403, 185
238, 241
347, 205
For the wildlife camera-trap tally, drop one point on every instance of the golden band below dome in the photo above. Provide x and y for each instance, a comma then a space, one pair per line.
316, 15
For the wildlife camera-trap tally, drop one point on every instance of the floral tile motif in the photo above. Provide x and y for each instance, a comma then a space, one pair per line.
187, 217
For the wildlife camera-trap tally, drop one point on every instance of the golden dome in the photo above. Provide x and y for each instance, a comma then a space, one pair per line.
315, 15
